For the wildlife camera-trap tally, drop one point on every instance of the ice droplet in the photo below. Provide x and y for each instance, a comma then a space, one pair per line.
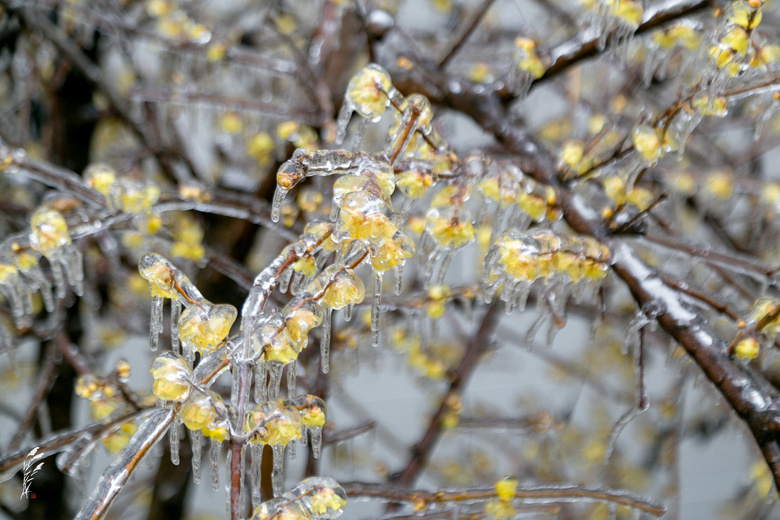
277, 474
195, 442
214, 463
325, 341
348, 312
156, 322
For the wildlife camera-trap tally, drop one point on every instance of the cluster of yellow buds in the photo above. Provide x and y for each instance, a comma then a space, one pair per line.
202, 326
281, 421
315, 498
173, 22
680, 34
105, 403
506, 187
282, 336
122, 193
615, 188
732, 52
518, 259
529, 65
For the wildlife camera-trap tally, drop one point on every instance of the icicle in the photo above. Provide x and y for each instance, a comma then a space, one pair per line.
348, 312
360, 131
59, 279
535, 326
174, 440
195, 442
275, 378
256, 455
433, 256
276, 205
214, 463
291, 450
325, 341
155, 325
261, 390
292, 377
175, 311
345, 114
375, 309
445, 264
70, 258
297, 283
316, 441
284, 280
399, 279
43, 285
277, 474
228, 479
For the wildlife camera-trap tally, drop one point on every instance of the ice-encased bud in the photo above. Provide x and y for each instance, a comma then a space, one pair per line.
339, 287
367, 90
100, 177
449, 228
204, 412
205, 327
281, 508
311, 408
272, 423
171, 378
364, 217
290, 174
323, 496
393, 253
160, 274
518, 255
300, 317
49, 231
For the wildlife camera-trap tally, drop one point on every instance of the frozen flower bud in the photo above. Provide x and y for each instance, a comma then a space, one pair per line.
323, 496
49, 231
340, 287
205, 328
171, 376
647, 143
100, 177
203, 410
747, 349
367, 91
272, 424
393, 253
